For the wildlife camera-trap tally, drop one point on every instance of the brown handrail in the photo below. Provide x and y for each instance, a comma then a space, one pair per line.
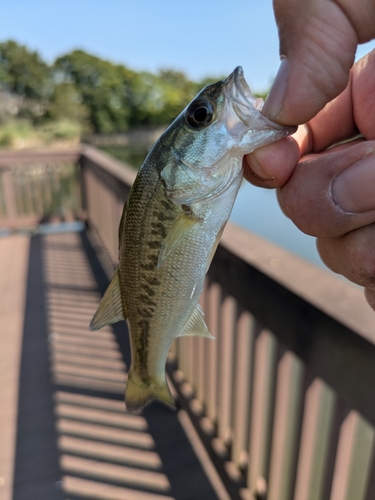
283, 399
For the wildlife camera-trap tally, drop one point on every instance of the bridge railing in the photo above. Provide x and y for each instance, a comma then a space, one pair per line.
283, 399
38, 185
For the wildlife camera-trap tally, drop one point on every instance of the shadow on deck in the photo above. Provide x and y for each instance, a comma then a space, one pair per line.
73, 438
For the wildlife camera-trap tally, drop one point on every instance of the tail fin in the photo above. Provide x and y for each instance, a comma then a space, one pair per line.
140, 392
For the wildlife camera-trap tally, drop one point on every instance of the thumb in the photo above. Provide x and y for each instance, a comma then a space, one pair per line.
332, 194
318, 40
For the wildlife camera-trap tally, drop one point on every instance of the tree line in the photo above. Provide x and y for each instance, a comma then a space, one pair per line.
102, 96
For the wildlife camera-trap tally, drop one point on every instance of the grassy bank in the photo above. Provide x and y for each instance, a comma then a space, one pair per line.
22, 134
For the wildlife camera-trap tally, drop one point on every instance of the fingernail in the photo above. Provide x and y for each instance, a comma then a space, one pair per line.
353, 189
274, 102
256, 168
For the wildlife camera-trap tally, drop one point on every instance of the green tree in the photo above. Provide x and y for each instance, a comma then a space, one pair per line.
92, 92
178, 92
158, 99
101, 86
23, 72
66, 102
118, 98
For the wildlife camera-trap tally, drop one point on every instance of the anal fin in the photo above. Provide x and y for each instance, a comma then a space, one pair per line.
110, 309
196, 325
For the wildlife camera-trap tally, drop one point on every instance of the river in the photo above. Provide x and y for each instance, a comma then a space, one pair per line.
258, 211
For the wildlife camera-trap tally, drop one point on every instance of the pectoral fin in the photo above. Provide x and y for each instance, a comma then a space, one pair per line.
178, 231
110, 309
196, 325
214, 248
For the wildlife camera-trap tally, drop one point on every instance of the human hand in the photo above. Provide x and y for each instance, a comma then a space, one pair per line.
328, 194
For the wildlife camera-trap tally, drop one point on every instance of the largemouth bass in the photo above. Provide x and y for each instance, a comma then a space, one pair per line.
171, 225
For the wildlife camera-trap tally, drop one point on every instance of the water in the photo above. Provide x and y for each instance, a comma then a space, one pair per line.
62, 227
133, 157
258, 211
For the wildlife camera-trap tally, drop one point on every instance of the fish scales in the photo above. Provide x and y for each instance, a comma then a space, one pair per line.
156, 287
171, 225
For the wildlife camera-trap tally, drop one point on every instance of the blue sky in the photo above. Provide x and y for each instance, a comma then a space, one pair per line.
200, 37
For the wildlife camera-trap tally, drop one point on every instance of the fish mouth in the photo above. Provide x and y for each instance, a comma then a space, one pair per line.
245, 105
237, 89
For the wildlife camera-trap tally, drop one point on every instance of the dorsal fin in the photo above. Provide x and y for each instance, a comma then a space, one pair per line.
196, 325
110, 309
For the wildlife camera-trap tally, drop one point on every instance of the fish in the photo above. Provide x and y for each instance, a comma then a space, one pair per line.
171, 225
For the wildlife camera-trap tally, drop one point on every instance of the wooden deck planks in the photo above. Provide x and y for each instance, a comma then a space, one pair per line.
13, 271
66, 434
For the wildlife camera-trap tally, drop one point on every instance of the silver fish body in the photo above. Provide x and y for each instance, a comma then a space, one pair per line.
171, 225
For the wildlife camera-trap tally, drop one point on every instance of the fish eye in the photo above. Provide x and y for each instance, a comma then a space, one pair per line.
199, 114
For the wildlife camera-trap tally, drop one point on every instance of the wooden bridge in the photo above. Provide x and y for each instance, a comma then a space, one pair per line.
280, 407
